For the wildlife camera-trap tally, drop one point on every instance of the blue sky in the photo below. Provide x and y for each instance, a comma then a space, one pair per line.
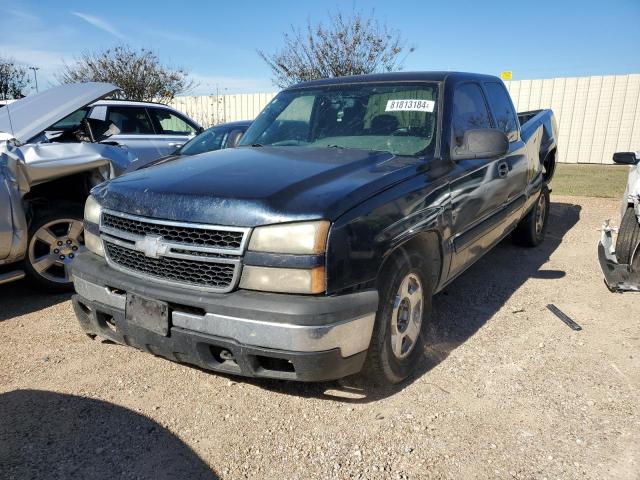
217, 41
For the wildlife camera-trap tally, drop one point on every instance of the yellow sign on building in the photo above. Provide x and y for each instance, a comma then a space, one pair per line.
506, 75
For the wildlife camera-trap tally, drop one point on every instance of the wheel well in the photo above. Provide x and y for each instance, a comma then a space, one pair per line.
549, 162
427, 245
74, 188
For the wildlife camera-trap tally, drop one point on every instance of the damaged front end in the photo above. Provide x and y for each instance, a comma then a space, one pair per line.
619, 277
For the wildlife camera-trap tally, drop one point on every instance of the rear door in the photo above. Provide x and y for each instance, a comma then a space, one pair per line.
505, 119
172, 130
478, 193
136, 130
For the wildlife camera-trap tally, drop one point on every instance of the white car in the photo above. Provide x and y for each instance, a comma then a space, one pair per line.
149, 130
621, 264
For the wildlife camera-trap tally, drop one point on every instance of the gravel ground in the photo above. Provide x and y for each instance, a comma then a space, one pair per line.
506, 389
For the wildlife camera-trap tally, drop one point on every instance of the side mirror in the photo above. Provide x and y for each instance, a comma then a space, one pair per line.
626, 158
481, 143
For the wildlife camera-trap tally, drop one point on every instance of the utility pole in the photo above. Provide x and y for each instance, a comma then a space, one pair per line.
35, 75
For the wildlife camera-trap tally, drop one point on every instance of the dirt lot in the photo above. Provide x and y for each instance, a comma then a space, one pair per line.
506, 390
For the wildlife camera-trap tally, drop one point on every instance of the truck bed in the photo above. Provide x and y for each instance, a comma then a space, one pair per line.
530, 123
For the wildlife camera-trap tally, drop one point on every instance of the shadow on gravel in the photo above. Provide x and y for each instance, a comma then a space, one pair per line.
460, 310
47, 435
19, 299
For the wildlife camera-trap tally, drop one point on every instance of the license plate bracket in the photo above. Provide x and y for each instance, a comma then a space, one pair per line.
147, 313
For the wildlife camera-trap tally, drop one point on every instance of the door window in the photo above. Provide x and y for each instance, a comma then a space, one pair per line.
469, 111
130, 119
502, 109
168, 123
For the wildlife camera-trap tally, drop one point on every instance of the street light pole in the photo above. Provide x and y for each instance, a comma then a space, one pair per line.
35, 76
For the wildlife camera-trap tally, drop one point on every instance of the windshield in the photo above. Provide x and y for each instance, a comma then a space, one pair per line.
399, 118
210, 139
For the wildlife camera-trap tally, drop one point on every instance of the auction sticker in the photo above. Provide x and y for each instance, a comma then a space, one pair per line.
410, 105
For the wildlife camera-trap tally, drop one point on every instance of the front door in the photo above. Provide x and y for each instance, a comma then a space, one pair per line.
478, 193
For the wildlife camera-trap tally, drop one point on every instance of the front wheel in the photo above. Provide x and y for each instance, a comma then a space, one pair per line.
56, 236
398, 335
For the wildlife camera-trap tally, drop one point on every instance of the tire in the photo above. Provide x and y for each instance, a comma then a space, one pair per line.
56, 236
398, 319
628, 239
531, 230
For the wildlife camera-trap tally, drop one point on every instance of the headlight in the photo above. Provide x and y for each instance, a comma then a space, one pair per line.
92, 210
93, 243
284, 280
292, 238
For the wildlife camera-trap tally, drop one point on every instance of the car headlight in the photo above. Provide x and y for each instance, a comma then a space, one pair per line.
283, 280
92, 210
292, 238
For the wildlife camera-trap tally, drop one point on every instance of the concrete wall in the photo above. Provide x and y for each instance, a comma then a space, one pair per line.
597, 115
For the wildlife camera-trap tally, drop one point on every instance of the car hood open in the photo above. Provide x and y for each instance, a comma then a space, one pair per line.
29, 116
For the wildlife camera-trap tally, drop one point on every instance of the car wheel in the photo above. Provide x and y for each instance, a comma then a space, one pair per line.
399, 332
531, 230
628, 240
56, 236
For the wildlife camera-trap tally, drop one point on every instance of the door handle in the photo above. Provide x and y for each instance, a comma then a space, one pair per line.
175, 144
503, 170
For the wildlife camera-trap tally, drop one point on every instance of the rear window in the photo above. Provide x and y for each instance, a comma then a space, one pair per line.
130, 119
169, 123
502, 109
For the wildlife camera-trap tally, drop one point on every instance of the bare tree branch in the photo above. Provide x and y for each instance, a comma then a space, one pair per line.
13, 79
349, 45
138, 73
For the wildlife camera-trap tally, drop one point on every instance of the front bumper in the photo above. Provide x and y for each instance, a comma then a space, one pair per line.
247, 333
619, 277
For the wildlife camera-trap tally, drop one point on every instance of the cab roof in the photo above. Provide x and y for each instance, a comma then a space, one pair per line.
395, 77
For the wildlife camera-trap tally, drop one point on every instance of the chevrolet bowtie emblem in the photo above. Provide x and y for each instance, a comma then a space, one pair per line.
152, 246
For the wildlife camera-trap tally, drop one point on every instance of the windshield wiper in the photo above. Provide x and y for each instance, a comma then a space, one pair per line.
257, 145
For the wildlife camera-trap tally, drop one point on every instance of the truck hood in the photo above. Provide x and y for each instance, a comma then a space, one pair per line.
29, 116
251, 186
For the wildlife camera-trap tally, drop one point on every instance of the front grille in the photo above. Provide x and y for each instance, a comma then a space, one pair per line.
188, 235
215, 276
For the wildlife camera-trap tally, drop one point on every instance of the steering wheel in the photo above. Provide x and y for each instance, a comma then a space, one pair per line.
400, 132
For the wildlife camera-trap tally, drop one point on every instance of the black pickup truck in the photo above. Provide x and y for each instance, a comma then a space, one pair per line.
312, 251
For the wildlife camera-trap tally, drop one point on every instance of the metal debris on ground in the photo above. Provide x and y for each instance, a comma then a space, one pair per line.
564, 317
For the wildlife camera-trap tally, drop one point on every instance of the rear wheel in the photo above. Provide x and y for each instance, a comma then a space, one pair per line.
531, 230
56, 236
629, 239
398, 335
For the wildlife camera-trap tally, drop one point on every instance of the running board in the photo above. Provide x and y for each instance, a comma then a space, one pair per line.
11, 276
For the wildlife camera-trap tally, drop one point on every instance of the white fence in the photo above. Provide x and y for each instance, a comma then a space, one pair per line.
597, 115
213, 109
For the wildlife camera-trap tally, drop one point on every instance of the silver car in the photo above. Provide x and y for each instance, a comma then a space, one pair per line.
45, 176
149, 130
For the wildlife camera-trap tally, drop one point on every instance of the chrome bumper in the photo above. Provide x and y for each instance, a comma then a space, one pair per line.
351, 336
